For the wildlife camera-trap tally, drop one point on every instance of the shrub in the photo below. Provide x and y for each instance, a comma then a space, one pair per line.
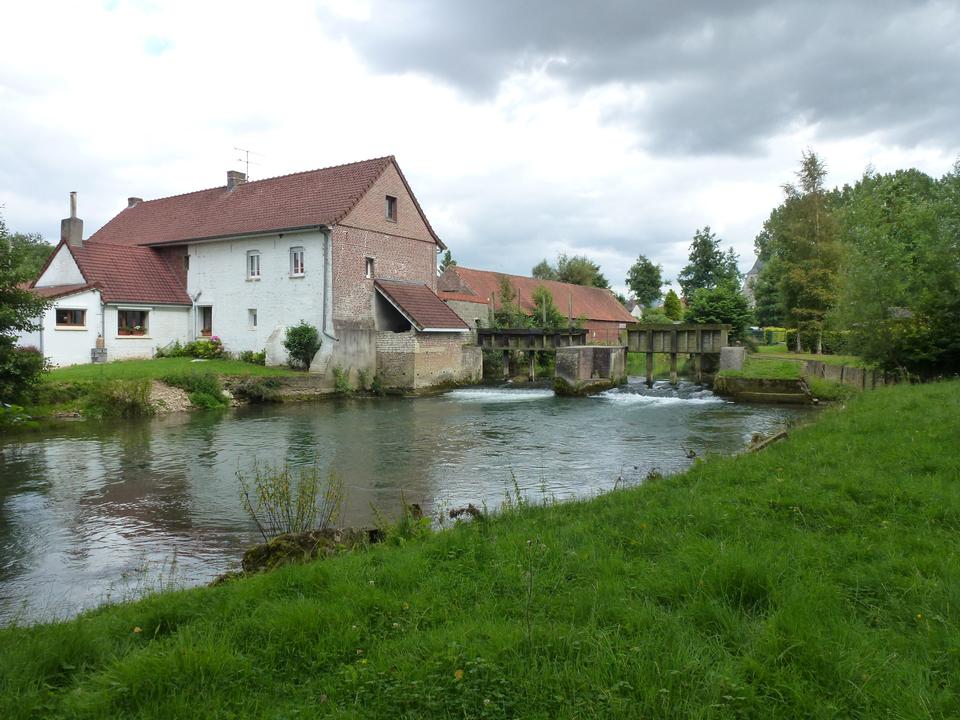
363, 379
280, 501
21, 369
204, 389
376, 387
302, 342
256, 389
174, 349
118, 398
254, 358
341, 381
14, 416
204, 349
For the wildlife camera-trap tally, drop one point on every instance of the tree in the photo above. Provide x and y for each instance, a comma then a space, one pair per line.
508, 313
546, 314
576, 269
672, 307
722, 304
447, 260
20, 311
708, 266
645, 281
33, 251
804, 237
768, 302
302, 342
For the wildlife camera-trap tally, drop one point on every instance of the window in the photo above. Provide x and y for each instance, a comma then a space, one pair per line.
253, 265
68, 317
186, 263
206, 320
252, 318
296, 262
391, 206
132, 322
369, 267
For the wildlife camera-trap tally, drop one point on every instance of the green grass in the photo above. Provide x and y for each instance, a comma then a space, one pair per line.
157, 368
818, 578
781, 352
764, 368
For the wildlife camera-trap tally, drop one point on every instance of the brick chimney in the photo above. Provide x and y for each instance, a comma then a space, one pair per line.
133, 201
234, 178
71, 228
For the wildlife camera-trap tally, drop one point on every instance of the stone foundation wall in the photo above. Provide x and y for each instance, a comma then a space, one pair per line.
416, 361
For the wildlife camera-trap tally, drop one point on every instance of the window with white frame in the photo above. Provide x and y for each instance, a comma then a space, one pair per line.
369, 267
71, 318
296, 262
253, 265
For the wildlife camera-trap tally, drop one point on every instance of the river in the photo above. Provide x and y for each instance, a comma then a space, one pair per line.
97, 512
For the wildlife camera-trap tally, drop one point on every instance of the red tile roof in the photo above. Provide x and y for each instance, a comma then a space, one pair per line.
420, 305
55, 291
304, 199
459, 283
129, 274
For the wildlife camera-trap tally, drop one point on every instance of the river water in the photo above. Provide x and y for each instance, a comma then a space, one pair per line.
97, 512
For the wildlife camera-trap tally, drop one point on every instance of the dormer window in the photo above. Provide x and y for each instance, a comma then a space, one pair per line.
296, 262
253, 265
391, 207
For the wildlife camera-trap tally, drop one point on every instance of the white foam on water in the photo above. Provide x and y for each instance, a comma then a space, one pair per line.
495, 395
704, 397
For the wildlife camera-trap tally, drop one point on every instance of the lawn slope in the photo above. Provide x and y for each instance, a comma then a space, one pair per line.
819, 578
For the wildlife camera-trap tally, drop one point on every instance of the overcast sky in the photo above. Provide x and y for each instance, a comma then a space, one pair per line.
610, 128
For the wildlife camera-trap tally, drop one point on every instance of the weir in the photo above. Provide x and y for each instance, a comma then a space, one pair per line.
690, 339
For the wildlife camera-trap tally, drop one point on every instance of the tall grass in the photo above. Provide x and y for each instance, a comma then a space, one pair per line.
204, 389
818, 578
117, 398
282, 500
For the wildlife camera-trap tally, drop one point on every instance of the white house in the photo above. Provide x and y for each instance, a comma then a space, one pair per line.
246, 261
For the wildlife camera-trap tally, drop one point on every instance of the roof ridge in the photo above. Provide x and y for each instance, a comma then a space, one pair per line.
275, 177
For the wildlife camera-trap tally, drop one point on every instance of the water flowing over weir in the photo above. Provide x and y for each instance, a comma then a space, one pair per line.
97, 511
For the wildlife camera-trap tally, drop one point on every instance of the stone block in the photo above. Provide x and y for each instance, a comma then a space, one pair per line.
732, 358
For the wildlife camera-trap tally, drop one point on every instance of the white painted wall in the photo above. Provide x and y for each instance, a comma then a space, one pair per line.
70, 346
165, 324
62, 270
218, 271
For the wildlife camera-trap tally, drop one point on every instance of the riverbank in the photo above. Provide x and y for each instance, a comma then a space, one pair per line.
816, 578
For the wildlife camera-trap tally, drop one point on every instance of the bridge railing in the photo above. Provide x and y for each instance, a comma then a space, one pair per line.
530, 338
685, 339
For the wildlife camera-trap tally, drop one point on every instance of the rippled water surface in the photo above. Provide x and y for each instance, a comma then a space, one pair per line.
93, 512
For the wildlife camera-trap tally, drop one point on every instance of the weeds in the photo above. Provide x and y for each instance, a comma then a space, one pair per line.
282, 500
341, 381
118, 398
205, 389
257, 390
363, 379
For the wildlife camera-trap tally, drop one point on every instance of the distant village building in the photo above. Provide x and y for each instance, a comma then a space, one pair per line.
635, 309
473, 294
348, 249
748, 281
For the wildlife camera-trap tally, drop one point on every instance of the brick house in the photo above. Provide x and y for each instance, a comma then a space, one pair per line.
472, 294
247, 260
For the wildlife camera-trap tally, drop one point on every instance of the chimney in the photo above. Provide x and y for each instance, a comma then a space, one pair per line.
71, 228
133, 201
234, 178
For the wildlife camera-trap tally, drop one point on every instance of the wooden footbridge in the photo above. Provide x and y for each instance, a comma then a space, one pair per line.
690, 339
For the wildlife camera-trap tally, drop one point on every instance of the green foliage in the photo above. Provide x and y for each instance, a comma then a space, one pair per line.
174, 349
341, 381
363, 379
256, 390
20, 311
672, 307
814, 579
117, 399
204, 349
282, 500
21, 370
708, 266
655, 316
723, 304
204, 388
576, 269
302, 342
447, 260
13, 417
645, 281
546, 315
376, 386
254, 358
828, 390
508, 313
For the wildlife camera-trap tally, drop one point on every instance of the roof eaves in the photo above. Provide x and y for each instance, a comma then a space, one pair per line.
212, 238
353, 202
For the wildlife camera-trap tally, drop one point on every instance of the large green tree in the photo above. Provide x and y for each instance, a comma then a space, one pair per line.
545, 313
722, 304
804, 239
645, 280
672, 307
575, 269
708, 266
20, 311
33, 252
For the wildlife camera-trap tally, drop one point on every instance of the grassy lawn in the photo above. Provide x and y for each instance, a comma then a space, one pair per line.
155, 369
766, 367
781, 352
818, 578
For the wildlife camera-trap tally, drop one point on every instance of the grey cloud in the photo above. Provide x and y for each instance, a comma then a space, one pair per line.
714, 77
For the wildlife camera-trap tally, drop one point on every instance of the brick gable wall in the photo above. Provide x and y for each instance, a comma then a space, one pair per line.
370, 212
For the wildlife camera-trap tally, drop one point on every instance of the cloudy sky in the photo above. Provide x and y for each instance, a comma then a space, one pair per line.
610, 128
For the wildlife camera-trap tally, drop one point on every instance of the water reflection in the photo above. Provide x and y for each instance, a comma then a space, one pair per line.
86, 507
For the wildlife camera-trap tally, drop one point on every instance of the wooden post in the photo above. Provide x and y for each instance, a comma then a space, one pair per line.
533, 365
506, 364
649, 369
697, 368
673, 368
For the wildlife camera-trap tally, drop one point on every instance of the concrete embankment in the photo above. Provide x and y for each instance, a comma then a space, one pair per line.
767, 390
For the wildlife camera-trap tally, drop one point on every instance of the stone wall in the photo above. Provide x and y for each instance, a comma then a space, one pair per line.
847, 374
591, 368
416, 361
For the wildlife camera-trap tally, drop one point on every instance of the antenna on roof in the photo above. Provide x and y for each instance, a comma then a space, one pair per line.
245, 158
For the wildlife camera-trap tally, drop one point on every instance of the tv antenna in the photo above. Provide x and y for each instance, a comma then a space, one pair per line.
245, 158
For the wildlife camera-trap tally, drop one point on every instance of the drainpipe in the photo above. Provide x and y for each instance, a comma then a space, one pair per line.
327, 323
